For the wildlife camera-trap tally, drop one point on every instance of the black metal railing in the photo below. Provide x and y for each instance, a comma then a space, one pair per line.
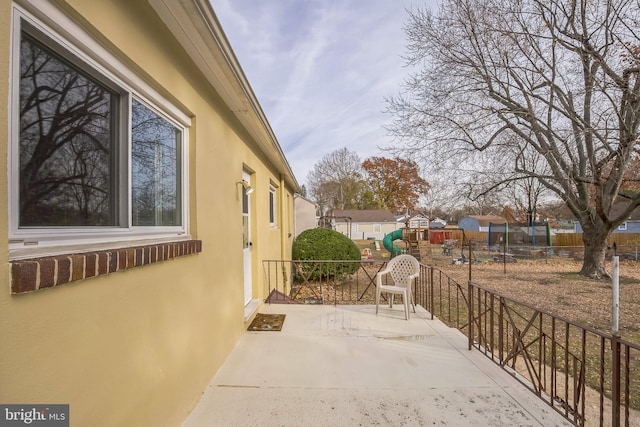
589, 376
321, 282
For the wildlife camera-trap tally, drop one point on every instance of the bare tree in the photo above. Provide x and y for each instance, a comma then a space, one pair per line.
526, 194
557, 77
336, 181
525, 197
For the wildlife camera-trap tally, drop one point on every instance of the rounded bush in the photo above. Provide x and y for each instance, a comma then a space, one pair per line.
324, 244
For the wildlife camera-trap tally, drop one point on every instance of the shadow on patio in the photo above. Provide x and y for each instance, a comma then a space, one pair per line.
345, 366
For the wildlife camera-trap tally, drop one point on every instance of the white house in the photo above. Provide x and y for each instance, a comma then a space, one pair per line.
365, 224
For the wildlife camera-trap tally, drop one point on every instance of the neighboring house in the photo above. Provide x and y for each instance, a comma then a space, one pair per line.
631, 225
305, 214
365, 224
132, 257
437, 223
479, 222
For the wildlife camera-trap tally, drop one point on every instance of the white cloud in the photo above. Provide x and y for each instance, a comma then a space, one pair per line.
320, 70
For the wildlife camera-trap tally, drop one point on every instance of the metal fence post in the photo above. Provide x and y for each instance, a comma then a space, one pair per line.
615, 380
432, 290
470, 320
615, 342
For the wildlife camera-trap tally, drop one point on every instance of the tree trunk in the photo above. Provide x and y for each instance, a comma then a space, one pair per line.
595, 248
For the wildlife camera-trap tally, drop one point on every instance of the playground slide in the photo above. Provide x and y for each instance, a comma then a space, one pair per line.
387, 242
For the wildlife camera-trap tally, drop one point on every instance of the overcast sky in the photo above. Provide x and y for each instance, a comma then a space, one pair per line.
321, 69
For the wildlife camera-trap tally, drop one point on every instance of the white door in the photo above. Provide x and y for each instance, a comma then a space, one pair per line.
246, 240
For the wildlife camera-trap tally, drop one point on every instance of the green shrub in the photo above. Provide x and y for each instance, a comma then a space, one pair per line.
324, 244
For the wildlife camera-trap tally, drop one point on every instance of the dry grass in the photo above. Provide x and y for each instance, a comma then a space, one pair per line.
554, 286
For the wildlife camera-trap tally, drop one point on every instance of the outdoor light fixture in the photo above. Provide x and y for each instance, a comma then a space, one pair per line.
247, 188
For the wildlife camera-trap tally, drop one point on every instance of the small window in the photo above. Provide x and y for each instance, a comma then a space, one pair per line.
155, 168
272, 205
377, 228
623, 226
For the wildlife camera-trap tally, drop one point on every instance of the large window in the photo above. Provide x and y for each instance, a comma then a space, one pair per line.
67, 148
88, 153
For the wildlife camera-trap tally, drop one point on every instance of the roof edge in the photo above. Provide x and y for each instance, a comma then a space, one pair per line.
212, 53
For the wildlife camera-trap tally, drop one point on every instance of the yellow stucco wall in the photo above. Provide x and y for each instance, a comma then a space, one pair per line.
137, 348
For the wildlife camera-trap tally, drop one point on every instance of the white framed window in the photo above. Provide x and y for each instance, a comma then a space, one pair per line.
95, 154
273, 202
623, 226
377, 228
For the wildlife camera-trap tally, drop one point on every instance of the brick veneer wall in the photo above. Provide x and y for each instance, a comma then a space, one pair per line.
29, 275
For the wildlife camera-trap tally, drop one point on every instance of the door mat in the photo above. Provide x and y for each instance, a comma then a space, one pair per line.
267, 322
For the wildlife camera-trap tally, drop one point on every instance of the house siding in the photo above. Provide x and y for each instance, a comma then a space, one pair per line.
366, 230
305, 215
469, 223
632, 227
137, 346
479, 223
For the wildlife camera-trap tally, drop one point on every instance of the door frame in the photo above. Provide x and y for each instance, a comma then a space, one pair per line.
247, 244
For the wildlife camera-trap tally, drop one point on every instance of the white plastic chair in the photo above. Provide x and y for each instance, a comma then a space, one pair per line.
404, 269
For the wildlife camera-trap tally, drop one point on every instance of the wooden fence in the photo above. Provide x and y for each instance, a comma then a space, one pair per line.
475, 236
575, 239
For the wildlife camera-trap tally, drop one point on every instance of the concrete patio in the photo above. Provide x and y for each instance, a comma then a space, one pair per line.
345, 366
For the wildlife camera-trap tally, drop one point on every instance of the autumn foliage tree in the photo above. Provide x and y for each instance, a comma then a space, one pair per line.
395, 184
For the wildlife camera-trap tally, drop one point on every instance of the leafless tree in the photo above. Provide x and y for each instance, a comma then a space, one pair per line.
526, 194
557, 77
336, 181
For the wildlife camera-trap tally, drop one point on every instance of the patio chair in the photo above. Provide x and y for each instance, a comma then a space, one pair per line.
404, 269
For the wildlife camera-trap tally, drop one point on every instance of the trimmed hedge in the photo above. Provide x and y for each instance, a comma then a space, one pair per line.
324, 244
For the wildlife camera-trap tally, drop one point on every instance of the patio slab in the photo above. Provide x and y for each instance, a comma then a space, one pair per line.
345, 366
